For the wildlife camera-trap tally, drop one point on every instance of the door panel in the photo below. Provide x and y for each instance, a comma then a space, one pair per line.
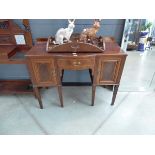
108, 70
43, 71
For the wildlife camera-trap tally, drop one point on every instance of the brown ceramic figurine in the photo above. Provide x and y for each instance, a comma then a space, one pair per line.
90, 33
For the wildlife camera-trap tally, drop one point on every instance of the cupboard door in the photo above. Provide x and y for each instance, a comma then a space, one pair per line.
109, 70
43, 72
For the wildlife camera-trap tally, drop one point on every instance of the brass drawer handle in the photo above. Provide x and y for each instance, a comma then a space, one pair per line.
76, 63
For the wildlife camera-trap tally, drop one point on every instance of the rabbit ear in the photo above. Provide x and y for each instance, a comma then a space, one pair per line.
97, 20
71, 21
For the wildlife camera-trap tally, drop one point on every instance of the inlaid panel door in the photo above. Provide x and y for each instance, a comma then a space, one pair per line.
43, 72
109, 69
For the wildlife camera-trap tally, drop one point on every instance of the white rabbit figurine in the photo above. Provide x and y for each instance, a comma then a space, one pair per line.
64, 33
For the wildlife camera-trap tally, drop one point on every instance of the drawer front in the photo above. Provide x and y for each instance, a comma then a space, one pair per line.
76, 63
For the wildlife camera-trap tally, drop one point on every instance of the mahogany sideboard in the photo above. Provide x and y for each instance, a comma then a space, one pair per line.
46, 69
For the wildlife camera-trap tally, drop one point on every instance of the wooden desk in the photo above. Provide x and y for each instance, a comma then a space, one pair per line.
11, 53
46, 68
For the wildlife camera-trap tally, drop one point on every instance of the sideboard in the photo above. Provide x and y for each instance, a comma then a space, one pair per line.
46, 69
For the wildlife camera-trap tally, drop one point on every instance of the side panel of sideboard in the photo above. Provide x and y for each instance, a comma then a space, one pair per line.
109, 69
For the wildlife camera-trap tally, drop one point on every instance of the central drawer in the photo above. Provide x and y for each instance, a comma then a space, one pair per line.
76, 63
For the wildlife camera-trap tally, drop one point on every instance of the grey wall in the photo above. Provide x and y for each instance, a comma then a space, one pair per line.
48, 27
13, 71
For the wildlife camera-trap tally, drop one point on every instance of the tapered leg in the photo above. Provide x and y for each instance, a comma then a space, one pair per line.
60, 95
62, 75
114, 94
37, 94
93, 94
91, 77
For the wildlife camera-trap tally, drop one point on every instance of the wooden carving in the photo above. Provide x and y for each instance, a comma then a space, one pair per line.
90, 33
